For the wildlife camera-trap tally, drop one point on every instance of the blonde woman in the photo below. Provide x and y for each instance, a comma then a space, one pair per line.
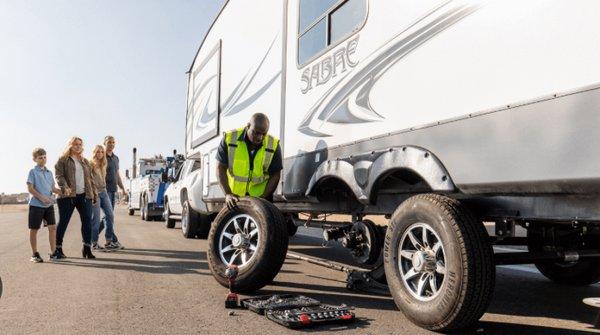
74, 178
103, 203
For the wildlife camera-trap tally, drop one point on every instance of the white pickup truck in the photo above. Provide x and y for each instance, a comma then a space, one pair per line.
179, 204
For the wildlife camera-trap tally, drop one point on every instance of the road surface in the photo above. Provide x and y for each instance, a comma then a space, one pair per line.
161, 284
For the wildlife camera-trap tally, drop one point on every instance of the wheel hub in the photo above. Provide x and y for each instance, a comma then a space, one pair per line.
239, 241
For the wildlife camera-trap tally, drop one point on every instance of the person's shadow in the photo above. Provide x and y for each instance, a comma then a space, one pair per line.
178, 261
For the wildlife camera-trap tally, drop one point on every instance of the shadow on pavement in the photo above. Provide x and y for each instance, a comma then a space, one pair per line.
155, 267
526, 294
502, 328
181, 254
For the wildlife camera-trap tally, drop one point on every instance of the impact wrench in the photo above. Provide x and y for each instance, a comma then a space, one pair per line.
232, 300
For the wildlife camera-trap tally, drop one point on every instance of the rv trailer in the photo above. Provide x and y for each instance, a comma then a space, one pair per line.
439, 114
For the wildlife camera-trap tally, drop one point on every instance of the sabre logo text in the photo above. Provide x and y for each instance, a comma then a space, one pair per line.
329, 67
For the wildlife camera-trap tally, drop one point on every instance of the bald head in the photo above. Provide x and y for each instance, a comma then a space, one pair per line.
258, 127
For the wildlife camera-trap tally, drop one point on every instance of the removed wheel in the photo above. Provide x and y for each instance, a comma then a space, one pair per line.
252, 236
439, 263
169, 223
578, 273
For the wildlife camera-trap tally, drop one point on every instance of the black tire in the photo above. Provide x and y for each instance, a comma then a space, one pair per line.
579, 273
271, 248
189, 221
469, 263
169, 223
131, 211
144, 208
291, 226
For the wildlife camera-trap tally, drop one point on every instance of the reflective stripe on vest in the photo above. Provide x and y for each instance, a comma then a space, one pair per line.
241, 179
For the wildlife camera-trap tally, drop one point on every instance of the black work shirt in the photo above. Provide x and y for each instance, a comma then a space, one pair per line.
112, 169
276, 162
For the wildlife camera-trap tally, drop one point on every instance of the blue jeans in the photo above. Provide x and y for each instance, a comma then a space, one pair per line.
111, 197
106, 206
66, 206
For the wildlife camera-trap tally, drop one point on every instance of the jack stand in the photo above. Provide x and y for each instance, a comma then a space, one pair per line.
365, 281
232, 300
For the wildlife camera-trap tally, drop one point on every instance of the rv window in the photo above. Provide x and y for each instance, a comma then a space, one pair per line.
347, 18
324, 23
313, 41
311, 10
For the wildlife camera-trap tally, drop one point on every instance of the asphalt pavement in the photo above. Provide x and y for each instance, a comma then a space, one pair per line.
161, 284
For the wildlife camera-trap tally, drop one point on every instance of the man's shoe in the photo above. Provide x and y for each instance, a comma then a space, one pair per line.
60, 253
36, 258
57, 255
98, 247
114, 246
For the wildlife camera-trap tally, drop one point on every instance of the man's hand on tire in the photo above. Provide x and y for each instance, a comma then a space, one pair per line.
231, 201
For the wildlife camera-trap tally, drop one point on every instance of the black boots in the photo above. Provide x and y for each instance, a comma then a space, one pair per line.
87, 252
58, 254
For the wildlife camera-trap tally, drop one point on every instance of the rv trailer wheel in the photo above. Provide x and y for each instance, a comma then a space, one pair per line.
438, 263
578, 273
169, 223
252, 236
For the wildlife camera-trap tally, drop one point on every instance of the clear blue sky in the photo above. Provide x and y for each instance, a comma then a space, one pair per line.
92, 68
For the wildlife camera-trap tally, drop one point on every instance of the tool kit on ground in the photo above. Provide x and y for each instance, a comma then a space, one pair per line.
289, 310
296, 311
311, 316
277, 302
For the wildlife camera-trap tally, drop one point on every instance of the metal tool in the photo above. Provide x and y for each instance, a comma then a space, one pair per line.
232, 300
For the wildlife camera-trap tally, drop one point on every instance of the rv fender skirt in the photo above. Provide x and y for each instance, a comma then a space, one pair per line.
577, 273
438, 263
254, 237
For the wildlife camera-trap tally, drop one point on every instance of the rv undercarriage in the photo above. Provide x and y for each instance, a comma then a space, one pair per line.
436, 253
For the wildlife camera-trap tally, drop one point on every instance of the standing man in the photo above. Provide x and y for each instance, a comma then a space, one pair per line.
113, 179
250, 162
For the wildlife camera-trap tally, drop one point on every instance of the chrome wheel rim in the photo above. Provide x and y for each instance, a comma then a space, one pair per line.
238, 240
422, 262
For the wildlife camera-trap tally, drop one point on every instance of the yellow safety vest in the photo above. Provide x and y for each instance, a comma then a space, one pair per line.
241, 179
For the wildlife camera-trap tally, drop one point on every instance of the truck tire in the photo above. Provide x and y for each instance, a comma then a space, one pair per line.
143, 208
579, 273
189, 221
291, 226
252, 236
169, 223
439, 263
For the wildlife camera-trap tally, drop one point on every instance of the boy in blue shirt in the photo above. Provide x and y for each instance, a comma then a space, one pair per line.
40, 184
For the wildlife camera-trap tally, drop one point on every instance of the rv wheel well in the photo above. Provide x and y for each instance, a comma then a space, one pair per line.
398, 181
332, 188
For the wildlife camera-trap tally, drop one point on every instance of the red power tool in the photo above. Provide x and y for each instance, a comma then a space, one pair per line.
232, 300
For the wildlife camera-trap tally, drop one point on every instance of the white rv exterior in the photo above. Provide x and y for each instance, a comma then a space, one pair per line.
494, 104
498, 70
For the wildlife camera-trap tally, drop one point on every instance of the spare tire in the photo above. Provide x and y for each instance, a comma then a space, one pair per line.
252, 236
